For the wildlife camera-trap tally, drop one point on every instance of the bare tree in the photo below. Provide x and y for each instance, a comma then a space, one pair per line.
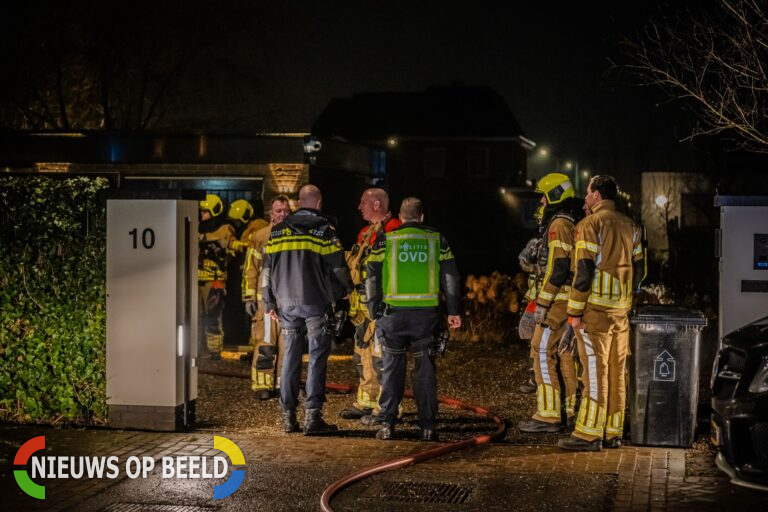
104, 65
715, 61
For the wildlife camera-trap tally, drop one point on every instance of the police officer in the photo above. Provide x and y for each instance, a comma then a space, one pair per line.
265, 332
608, 266
561, 212
304, 274
216, 238
374, 207
406, 271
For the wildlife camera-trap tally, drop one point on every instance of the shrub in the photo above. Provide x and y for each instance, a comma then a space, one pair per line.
52, 300
491, 308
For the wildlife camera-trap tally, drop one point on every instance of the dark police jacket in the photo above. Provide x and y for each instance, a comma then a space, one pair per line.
304, 263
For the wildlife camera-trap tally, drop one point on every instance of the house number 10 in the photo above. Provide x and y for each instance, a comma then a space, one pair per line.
147, 238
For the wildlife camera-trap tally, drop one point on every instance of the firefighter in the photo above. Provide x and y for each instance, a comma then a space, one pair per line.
265, 332
608, 265
406, 271
374, 206
303, 276
216, 238
532, 260
561, 212
240, 215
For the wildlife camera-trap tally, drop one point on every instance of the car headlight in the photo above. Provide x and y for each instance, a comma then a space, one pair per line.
760, 381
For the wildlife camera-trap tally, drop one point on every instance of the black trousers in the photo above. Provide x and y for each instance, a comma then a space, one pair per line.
399, 331
300, 324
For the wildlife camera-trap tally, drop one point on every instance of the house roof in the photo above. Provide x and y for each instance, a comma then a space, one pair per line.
445, 111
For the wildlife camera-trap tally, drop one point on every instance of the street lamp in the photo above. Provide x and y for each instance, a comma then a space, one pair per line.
570, 167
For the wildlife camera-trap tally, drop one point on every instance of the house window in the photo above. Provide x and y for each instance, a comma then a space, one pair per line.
477, 162
434, 162
378, 164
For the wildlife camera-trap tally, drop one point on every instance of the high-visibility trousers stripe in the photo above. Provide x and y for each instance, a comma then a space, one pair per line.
543, 356
591, 365
547, 401
615, 425
591, 420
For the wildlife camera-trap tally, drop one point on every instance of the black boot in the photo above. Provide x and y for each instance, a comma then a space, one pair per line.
386, 432
314, 424
528, 387
534, 426
355, 413
372, 420
576, 444
428, 434
290, 424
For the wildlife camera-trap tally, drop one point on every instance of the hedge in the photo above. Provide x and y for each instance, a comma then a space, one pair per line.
52, 300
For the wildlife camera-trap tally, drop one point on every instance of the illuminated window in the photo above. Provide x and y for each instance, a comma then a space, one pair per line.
378, 163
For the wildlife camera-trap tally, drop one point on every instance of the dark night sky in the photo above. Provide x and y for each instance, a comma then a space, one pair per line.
548, 60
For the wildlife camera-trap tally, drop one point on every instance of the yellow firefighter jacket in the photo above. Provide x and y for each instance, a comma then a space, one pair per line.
215, 248
607, 260
557, 275
254, 258
245, 238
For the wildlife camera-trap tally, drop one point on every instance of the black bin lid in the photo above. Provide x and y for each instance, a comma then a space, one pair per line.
669, 314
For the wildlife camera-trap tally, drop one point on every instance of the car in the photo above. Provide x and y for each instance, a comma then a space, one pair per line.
740, 405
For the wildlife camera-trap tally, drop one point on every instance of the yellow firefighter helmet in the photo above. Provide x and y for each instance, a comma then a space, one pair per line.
213, 204
556, 187
240, 210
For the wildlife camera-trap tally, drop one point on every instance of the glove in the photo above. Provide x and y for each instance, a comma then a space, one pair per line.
527, 324
567, 344
250, 308
215, 299
342, 305
540, 314
361, 336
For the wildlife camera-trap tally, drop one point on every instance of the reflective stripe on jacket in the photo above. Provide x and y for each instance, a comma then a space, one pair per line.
557, 275
304, 263
607, 249
254, 257
210, 268
409, 266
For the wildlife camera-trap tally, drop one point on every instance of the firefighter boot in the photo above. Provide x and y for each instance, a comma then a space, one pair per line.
314, 424
576, 444
355, 413
290, 424
534, 426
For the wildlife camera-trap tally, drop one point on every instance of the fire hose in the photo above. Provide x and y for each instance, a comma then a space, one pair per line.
335, 487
